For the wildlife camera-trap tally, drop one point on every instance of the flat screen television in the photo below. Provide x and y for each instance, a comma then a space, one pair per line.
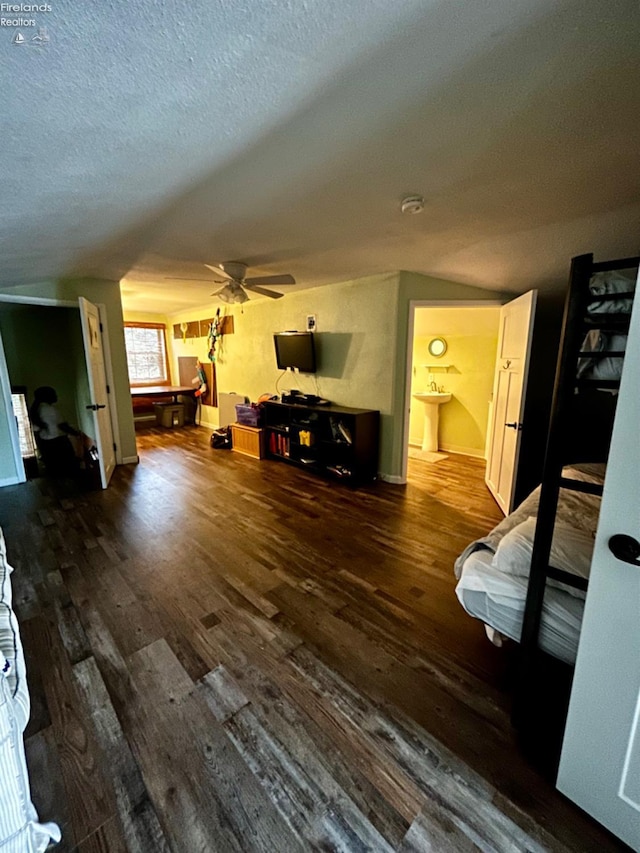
295, 349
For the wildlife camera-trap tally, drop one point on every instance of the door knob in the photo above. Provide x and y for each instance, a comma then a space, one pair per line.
514, 425
625, 548
95, 406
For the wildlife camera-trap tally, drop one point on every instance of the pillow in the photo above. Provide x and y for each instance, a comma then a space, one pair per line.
609, 282
601, 368
571, 551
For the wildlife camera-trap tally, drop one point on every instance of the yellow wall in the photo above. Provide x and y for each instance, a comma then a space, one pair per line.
472, 336
198, 347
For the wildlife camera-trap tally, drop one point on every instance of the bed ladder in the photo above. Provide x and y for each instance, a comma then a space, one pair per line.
577, 322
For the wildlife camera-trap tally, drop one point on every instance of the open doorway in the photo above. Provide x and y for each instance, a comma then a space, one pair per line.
43, 346
451, 367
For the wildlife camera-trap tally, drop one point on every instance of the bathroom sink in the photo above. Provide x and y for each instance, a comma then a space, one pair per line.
437, 397
432, 401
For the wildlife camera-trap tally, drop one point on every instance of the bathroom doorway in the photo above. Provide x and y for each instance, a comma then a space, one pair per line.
450, 370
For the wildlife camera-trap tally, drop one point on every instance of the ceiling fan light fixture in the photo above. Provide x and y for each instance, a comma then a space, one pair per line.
233, 273
232, 293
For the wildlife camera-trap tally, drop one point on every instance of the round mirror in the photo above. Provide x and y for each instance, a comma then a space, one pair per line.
437, 347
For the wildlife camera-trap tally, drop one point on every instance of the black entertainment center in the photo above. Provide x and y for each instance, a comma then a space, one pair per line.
336, 441
307, 431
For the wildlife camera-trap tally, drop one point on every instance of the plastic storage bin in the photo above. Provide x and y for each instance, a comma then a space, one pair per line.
169, 414
248, 416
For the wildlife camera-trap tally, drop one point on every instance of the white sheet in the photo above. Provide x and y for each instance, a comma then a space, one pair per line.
498, 600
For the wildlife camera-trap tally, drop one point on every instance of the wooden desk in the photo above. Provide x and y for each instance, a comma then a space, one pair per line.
173, 391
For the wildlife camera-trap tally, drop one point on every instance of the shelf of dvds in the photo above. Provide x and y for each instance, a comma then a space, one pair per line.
335, 441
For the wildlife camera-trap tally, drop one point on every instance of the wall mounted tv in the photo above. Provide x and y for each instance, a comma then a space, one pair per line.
295, 349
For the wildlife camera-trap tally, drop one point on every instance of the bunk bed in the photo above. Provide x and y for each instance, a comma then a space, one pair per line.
527, 578
493, 571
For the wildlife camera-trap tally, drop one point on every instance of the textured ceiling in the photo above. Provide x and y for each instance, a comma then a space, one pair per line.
147, 138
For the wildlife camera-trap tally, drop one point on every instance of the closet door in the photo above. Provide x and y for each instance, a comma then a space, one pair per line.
600, 763
509, 389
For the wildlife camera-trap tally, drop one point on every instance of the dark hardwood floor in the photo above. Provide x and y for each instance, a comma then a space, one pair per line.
233, 655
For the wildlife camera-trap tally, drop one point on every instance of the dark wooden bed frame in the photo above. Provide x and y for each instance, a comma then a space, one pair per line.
576, 403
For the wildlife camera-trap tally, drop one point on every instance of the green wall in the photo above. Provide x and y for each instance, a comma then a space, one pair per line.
356, 322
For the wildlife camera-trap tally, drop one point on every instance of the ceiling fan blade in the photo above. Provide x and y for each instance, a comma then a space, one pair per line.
220, 271
262, 291
271, 279
178, 278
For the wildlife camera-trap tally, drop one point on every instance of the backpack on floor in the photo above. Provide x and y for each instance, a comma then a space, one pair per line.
221, 439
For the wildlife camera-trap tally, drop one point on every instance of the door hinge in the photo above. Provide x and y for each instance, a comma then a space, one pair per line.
108, 390
115, 446
101, 329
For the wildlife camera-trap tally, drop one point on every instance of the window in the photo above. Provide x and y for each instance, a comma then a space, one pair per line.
146, 353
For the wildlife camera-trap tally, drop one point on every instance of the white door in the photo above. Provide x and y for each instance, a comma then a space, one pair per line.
99, 405
509, 389
600, 763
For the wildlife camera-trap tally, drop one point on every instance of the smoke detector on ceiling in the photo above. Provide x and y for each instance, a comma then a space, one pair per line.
412, 204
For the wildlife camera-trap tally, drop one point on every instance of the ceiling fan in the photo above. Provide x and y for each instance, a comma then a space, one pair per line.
232, 273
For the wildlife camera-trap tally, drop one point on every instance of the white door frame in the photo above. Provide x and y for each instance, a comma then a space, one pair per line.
108, 369
5, 381
94, 355
426, 303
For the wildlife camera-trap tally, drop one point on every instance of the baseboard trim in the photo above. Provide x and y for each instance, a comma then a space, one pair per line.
454, 448
394, 479
130, 460
462, 451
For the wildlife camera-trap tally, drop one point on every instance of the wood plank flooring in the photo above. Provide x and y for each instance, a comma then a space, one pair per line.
233, 655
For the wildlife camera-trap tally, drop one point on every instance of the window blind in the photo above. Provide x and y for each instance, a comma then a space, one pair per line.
146, 354
21, 413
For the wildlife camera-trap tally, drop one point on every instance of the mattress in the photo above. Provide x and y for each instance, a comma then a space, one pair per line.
498, 600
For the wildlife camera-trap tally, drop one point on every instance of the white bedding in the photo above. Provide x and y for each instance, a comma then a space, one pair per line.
20, 830
498, 600
497, 597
